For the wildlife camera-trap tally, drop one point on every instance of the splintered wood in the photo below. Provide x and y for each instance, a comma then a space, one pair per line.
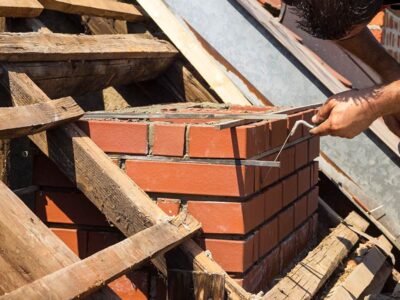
308, 276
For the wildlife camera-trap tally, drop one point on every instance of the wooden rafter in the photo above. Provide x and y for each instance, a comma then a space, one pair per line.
26, 120
101, 8
106, 265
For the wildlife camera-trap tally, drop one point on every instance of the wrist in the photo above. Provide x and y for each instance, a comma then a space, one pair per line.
388, 100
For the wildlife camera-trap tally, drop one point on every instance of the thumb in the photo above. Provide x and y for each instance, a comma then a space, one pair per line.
322, 129
324, 112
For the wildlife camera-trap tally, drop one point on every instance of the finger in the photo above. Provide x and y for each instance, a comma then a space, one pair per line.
323, 129
324, 112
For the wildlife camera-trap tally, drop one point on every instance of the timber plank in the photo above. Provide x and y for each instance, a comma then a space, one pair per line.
100, 8
28, 249
308, 276
110, 263
21, 121
17, 47
107, 186
363, 275
194, 52
20, 8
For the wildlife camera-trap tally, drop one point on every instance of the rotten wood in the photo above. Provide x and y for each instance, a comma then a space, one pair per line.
363, 275
308, 276
105, 184
110, 263
28, 249
26, 120
29, 47
194, 52
20, 8
100, 8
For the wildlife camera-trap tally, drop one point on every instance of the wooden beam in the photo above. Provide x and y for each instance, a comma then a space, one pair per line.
100, 8
20, 8
26, 120
29, 250
108, 187
17, 47
110, 263
308, 276
66, 78
194, 52
363, 275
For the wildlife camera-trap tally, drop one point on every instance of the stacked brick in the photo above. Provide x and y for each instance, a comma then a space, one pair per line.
255, 219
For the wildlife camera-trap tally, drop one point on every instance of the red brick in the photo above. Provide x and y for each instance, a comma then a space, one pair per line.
286, 222
302, 237
312, 204
75, 239
249, 108
189, 178
273, 198
228, 217
117, 137
170, 206
278, 133
290, 190
287, 159
315, 173
304, 180
67, 208
256, 236
314, 225
252, 281
301, 156
168, 139
271, 266
300, 211
292, 119
134, 285
232, 255
98, 240
288, 251
46, 173
313, 148
268, 175
238, 142
268, 236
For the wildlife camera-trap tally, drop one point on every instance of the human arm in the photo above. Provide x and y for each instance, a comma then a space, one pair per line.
350, 113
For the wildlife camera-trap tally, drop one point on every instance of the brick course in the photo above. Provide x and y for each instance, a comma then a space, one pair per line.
254, 219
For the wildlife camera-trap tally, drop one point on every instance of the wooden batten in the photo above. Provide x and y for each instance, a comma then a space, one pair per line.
106, 265
29, 47
20, 8
26, 120
101, 8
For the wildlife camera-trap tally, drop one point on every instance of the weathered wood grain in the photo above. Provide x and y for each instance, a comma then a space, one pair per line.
26, 120
108, 187
28, 249
17, 47
84, 277
194, 52
101, 8
20, 8
308, 276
